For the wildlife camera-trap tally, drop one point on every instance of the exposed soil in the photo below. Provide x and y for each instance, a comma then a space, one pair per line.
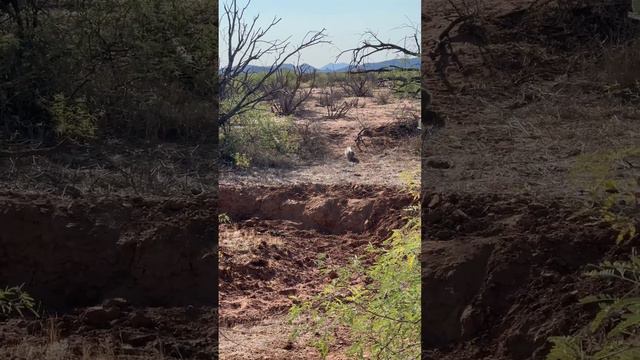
115, 276
507, 234
503, 273
285, 221
270, 251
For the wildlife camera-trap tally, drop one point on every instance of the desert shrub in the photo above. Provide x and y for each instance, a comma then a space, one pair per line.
358, 85
14, 300
379, 304
614, 331
257, 138
409, 89
336, 78
322, 80
332, 101
286, 89
406, 115
404, 83
313, 142
330, 96
340, 110
383, 97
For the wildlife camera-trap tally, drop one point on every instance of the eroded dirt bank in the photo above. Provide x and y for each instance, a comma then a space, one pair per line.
505, 272
126, 276
271, 251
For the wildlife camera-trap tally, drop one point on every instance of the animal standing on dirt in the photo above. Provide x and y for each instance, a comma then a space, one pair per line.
351, 156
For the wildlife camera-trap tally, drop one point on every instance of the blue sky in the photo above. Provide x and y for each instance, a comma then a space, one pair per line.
345, 22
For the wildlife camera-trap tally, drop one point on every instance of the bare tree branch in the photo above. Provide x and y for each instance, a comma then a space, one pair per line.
246, 45
372, 44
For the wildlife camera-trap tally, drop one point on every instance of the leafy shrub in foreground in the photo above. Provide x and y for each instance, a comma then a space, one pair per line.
614, 333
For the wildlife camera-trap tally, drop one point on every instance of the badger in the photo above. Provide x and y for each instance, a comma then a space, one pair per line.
351, 156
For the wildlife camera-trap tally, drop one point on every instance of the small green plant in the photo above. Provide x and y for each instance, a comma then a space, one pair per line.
224, 218
15, 300
615, 330
321, 261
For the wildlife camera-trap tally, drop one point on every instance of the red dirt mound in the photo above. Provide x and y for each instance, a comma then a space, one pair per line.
328, 209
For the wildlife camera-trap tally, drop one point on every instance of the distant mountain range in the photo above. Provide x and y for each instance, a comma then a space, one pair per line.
411, 63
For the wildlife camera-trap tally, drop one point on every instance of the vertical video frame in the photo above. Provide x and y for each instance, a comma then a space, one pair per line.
319, 138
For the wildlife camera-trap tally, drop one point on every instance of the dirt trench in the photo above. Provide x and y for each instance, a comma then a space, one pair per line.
123, 275
503, 273
269, 252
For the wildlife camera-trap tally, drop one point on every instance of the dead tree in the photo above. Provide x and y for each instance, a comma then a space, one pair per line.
246, 44
286, 89
359, 85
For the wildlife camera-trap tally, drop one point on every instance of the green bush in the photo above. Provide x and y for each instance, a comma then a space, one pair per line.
616, 197
405, 83
614, 333
259, 138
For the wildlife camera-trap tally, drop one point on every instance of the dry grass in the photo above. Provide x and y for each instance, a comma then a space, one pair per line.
156, 170
242, 241
383, 97
530, 142
50, 345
